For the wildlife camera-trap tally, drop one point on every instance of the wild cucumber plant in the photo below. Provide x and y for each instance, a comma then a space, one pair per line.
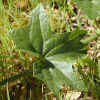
56, 52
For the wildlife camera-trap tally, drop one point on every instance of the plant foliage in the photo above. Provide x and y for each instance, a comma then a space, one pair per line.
57, 52
90, 7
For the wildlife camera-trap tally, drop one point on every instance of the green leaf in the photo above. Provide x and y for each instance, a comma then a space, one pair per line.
35, 31
40, 28
90, 7
60, 72
45, 24
54, 41
77, 33
63, 62
67, 42
20, 37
